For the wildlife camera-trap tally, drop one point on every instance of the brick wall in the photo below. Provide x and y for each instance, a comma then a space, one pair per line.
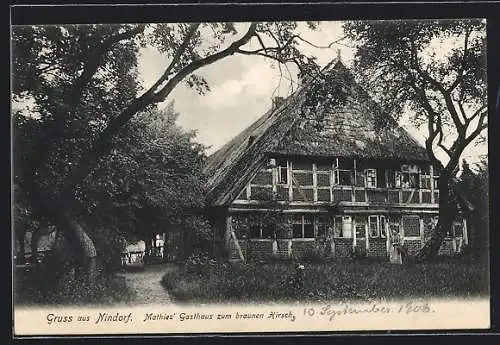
299, 248
377, 247
361, 243
259, 249
413, 246
447, 247
343, 247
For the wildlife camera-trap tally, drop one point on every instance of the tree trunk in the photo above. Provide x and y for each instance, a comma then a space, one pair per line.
83, 247
445, 220
81, 244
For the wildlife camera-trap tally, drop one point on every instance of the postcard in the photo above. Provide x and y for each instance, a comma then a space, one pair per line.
227, 177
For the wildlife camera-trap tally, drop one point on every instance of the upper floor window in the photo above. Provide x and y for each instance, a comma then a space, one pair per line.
408, 176
344, 172
282, 171
425, 177
436, 182
371, 178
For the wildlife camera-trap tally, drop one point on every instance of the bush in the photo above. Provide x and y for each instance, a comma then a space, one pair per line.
45, 285
199, 261
55, 280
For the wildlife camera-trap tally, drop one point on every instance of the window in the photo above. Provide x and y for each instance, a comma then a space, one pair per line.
255, 231
344, 172
373, 226
371, 178
322, 226
390, 178
308, 227
425, 177
258, 230
360, 179
411, 226
425, 181
282, 172
397, 179
382, 227
436, 182
297, 228
337, 227
360, 228
409, 176
376, 226
303, 226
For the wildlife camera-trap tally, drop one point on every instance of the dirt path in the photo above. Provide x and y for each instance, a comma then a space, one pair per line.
146, 283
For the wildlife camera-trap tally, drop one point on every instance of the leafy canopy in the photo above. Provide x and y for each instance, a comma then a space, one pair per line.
436, 69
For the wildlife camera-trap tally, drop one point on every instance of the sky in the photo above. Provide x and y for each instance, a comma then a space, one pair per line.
242, 88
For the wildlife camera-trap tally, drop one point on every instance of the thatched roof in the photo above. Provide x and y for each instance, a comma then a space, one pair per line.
348, 131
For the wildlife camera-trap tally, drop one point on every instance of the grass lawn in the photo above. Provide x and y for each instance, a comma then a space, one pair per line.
339, 280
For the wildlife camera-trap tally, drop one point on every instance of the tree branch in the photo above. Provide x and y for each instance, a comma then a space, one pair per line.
460, 73
478, 112
439, 87
72, 98
93, 63
261, 42
318, 46
102, 144
481, 125
175, 59
193, 66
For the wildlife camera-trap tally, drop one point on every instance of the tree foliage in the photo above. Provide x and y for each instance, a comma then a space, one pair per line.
151, 176
436, 71
82, 84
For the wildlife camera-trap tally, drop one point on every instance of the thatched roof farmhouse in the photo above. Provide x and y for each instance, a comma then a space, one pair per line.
292, 184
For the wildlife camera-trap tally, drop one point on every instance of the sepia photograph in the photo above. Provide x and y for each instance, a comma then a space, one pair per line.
250, 176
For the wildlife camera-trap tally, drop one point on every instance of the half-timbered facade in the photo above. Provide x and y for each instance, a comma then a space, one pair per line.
287, 187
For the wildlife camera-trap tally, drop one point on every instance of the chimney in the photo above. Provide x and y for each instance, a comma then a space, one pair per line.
277, 102
339, 57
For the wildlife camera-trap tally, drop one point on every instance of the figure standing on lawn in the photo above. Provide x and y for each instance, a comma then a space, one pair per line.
396, 250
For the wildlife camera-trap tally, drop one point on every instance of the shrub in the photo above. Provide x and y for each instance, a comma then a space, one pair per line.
55, 280
54, 283
199, 261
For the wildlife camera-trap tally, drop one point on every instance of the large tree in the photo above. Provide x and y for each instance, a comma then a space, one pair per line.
149, 179
434, 70
82, 82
